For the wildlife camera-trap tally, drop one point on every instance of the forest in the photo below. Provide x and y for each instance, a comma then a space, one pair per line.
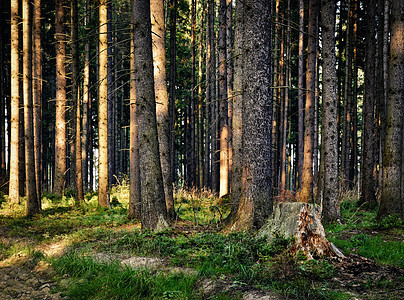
201, 149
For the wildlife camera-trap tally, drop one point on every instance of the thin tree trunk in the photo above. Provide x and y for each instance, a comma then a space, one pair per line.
33, 204
173, 54
229, 49
134, 171
60, 134
14, 185
306, 194
223, 106
301, 95
103, 190
367, 177
162, 109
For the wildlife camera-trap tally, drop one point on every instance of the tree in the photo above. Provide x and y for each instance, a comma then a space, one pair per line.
103, 190
253, 80
329, 134
154, 213
223, 106
306, 194
368, 193
160, 87
15, 103
32, 201
301, 95
391, 201
60, 128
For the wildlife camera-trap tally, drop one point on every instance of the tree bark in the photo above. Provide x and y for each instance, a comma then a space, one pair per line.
255, 202
300, 151
33, 204
103, 181
391, 199
14, 185
306, 194
60, 133
154, 213
330, 195
160, 87
368, 193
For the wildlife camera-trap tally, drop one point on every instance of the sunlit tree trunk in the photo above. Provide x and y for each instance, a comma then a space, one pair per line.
134, 172
160, 87
254, 44
60, 129
391, 201
154, 213
229, 49
32, 200
368, 193
86, 99
223, 106
300, 151
76, 103
14, 185
331, 211
306, 194
103, 190
173, 54
37, 100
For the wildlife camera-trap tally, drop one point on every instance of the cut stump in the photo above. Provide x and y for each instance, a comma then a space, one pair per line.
302, 222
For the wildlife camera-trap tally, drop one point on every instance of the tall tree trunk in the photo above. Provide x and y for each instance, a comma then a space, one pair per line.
300, 151
255, 203
160, 87
223, 106
103, 181
368, 146
134, 171
86, 99
229, 49
76, 102
60, 134
14, 185
154, 213
208, 124
200, 100
329, 134
306, 194
32, 201
173, 54
391, 201
37, 101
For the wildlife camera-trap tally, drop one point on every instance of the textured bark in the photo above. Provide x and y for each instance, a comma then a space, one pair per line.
86, 99
223, 106
200, 166
255, 202
14, 185
154, 213
60, 129
33, 204
330, 195
300, 150
160, 87
78, 176
391, 201
103, 190
368, 193
173, 54
37, 101
229, 49
208, 103
134, 172
306, 194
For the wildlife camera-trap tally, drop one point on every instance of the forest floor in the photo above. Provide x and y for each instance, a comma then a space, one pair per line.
70, 253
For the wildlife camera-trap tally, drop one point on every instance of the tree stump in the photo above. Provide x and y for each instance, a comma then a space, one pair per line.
302, 222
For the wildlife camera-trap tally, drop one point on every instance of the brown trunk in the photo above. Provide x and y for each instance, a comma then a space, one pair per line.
14, 185
300, 151
103, 190
33, 203
367, 175
160, 87
306, 194
154, 212
200, 101
172, 110
60, 133
208, 137
229, 49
